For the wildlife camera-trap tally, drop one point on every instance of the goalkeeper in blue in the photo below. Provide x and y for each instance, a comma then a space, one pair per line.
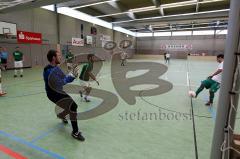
55, 79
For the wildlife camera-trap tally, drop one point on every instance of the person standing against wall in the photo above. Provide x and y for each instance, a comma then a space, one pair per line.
168, 56
1, 50
123, 54
2, 93
123, 58
4, 57
18, 62
165, 58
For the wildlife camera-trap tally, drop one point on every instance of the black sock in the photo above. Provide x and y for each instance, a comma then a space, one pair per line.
74, 126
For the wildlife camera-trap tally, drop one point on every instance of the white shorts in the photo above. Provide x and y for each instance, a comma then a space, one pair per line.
85, 83
18, 64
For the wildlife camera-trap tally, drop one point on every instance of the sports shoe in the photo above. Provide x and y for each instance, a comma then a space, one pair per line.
78, 136
208, 104
2, 93
65, 121
21, 75
86, 100
80, 92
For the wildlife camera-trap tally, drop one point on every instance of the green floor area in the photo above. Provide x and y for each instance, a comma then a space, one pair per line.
156, 127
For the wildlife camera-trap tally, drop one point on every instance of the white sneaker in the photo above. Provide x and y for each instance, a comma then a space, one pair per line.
2, 93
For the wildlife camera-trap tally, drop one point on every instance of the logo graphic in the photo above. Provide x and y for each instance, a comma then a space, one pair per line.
77, 42
122, 83
21, 36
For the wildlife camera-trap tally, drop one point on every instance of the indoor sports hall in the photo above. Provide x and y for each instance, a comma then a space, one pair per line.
122, 79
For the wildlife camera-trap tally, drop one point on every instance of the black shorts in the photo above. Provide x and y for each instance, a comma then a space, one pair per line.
4, 61
56, 98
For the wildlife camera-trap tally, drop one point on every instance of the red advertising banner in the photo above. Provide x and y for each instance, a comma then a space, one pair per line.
29, 37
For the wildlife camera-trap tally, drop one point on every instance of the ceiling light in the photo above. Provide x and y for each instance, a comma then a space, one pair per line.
179, 4
93, 4
107, 15
142, 9
210, 1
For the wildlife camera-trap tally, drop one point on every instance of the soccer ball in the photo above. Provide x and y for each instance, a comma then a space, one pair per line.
192, 94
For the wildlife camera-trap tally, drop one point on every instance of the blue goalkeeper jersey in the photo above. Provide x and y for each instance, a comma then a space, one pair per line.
55, 79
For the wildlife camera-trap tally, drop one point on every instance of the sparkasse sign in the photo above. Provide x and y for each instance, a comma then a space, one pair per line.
29, 37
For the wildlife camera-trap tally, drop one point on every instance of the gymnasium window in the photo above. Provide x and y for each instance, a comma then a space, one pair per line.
182, 33
203, 32
144, 34
162, 34
221, 32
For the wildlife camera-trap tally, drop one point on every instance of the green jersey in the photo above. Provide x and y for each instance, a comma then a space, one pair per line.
85, 71
69, 57
18, 56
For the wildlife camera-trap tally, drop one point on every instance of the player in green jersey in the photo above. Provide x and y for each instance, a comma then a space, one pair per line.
85, 76
18, 62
